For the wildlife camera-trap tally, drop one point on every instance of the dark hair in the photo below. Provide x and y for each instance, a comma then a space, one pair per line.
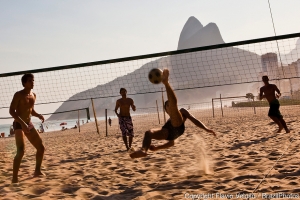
25, 78
265, 77
166, 104
123, 89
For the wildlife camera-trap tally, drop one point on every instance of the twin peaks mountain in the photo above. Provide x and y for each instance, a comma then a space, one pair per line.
202, 69
194, 34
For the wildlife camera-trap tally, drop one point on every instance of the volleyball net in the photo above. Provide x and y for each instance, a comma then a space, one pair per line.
197, 75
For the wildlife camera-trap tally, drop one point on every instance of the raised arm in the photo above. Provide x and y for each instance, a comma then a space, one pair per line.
195, 121
117, 107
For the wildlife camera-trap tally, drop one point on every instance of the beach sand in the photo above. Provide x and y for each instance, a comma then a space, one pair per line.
88, 165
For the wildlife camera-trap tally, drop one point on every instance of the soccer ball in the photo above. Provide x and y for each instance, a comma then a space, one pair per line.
155, 75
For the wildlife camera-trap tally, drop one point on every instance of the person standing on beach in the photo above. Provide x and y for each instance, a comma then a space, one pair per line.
21, 109
173, 128
268, 92
125, 120
109, 121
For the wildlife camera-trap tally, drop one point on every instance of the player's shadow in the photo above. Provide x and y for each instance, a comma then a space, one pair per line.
127, 193
131, 192
89, 157
284, 175
246, 144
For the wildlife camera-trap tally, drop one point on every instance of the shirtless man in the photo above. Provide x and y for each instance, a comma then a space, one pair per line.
21, 109
125, 120
268, 92
173, 128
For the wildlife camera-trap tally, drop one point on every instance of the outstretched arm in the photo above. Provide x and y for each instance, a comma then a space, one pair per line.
196, 121
164, 146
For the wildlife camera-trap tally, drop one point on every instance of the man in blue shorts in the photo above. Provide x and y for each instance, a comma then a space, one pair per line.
125, 120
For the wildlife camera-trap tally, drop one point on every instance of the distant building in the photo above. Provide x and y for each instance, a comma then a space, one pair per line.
270, 65
285, 73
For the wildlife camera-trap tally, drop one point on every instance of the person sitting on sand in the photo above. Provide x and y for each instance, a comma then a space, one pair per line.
173, 128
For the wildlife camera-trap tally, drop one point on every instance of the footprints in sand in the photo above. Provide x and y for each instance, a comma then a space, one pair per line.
100, 168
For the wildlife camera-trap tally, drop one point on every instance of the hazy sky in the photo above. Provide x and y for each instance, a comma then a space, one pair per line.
41, 34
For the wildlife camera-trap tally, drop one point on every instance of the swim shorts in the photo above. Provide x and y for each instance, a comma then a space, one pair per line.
17, 125
174, 132
274, 109
126, 126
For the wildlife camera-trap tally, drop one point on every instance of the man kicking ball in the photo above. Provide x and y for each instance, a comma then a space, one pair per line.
173, 128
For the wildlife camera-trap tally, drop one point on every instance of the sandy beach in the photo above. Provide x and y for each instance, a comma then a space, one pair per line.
88, 165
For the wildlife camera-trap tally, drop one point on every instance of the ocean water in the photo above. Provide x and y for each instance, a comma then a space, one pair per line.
49, 125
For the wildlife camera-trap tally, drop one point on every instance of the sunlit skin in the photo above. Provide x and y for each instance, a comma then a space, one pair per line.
271, 92
124, 104
21, 109
177, 117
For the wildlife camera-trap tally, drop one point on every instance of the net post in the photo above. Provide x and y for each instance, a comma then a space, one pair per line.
213, 108
254, 106
157, 112
95, 116
88, 114
163, 103
78, 122
221, 105
106, 122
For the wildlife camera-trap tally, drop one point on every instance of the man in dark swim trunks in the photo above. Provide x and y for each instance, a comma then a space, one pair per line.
21, 109
268, 92
173, 128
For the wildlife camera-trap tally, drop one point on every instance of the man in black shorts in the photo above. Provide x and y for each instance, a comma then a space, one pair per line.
21, 109
173, 128
272, 93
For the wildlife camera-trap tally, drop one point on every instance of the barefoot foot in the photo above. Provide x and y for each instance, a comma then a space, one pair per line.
287, 130
279, 129
38, 173
138, 154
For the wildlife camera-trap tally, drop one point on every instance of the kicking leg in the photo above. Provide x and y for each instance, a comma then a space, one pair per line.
157, 134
